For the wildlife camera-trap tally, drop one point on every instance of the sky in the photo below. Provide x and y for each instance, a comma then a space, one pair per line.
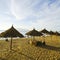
29, 14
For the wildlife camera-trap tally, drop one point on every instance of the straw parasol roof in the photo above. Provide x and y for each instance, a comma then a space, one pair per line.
44, 31
12, 32
52, 33
57, 33
34, 33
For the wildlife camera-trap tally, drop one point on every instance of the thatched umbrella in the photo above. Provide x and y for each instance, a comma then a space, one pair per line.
34, 33
51, 33
44, 31
12, 32
57, 34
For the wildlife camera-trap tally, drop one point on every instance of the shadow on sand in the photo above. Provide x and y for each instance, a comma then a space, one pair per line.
43, 45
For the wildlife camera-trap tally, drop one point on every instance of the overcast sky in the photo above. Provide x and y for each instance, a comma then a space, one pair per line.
29, 14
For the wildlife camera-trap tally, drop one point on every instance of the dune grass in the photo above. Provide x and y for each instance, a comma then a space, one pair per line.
22, 50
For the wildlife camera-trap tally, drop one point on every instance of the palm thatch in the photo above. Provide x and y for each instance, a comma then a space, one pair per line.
57, 33
12, 32
52, 33
34, 33
44, 31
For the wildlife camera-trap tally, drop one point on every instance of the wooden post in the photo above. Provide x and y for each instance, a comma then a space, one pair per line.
51, 37
11, 44
44, 38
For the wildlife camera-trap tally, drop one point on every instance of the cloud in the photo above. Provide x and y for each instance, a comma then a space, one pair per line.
23, 9
32, 13
20, 10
